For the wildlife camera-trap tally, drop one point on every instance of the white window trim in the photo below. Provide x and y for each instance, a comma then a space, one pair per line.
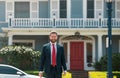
85, 9
93, 54
95, 9
52, 10
24, 41
116, 10
42, 0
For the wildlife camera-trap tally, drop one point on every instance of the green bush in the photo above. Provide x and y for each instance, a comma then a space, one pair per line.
102, 64
33, 72
20, 56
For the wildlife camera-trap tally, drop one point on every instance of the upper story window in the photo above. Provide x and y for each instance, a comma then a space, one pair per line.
90, 8
106, 9
22, 10
43, 9
76, 8
63, 9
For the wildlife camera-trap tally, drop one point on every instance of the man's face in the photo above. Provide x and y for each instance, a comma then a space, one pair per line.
53, 37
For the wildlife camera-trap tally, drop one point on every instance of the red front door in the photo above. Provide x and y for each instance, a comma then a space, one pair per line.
76, 55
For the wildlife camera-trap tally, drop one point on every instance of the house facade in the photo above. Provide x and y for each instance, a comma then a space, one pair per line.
81, 26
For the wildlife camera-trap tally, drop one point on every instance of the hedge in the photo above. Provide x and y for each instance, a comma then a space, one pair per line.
22, 57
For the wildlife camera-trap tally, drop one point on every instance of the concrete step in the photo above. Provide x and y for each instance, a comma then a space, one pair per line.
79, 74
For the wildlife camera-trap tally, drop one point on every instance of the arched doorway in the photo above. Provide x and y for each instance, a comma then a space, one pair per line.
79, 51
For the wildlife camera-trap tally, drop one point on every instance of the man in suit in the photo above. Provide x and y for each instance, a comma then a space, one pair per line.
52, 59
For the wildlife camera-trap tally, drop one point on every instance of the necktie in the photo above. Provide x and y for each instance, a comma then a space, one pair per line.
53, 55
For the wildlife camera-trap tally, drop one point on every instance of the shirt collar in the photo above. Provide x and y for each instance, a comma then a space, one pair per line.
53, 43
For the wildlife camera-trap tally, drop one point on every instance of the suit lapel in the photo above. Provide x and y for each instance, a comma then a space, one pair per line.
49, 50
57, 50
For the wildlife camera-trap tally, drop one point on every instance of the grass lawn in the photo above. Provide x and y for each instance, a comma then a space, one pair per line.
33, 72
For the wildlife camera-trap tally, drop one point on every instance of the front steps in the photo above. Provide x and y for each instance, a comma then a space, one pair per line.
79, 74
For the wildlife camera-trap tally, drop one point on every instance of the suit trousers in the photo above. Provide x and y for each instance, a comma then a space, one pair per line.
54, 73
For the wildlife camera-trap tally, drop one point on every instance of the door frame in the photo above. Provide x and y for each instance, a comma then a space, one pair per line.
85, 41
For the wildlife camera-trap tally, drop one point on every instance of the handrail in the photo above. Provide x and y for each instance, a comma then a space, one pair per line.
62, 23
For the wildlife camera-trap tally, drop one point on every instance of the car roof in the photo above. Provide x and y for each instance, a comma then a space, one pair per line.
12, 67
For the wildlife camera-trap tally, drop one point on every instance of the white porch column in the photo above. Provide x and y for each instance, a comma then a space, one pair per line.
10, 39
68, 9
99, 47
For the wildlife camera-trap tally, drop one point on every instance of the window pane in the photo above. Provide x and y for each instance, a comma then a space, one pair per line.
90, 8
89, 52
63, 8
43, 9
22, 10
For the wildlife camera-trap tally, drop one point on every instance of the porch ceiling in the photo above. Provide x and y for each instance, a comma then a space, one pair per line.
61, 31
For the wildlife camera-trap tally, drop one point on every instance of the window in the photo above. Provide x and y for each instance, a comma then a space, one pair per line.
7, 70
63, 8
27, 43
43, 9
89, 52
76, 8
105, 9
90, 8
22, 10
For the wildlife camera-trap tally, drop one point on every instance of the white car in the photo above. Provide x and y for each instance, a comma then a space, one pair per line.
7, 71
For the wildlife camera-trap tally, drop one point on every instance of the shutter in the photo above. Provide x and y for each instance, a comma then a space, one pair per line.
98, 8
54, 8
34, 9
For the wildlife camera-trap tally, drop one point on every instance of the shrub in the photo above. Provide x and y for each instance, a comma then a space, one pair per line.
102, 64
20, 56
102, 74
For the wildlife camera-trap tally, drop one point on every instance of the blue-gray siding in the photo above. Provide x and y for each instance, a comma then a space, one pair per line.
115, 44
43, 9
3, 24
2, 11
76, 8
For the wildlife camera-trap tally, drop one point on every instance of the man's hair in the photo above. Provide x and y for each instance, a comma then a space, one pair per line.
53, 32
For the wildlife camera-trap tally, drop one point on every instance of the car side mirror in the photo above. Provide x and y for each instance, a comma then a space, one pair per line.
20, 73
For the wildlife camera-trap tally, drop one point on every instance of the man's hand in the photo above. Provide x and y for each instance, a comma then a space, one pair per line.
64, 73
40, 74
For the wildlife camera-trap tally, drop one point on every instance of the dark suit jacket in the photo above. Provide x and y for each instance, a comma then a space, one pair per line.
45, 60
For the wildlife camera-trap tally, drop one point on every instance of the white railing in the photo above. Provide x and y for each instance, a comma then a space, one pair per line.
61, 23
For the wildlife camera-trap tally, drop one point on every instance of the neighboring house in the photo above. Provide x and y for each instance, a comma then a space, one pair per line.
81, 25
